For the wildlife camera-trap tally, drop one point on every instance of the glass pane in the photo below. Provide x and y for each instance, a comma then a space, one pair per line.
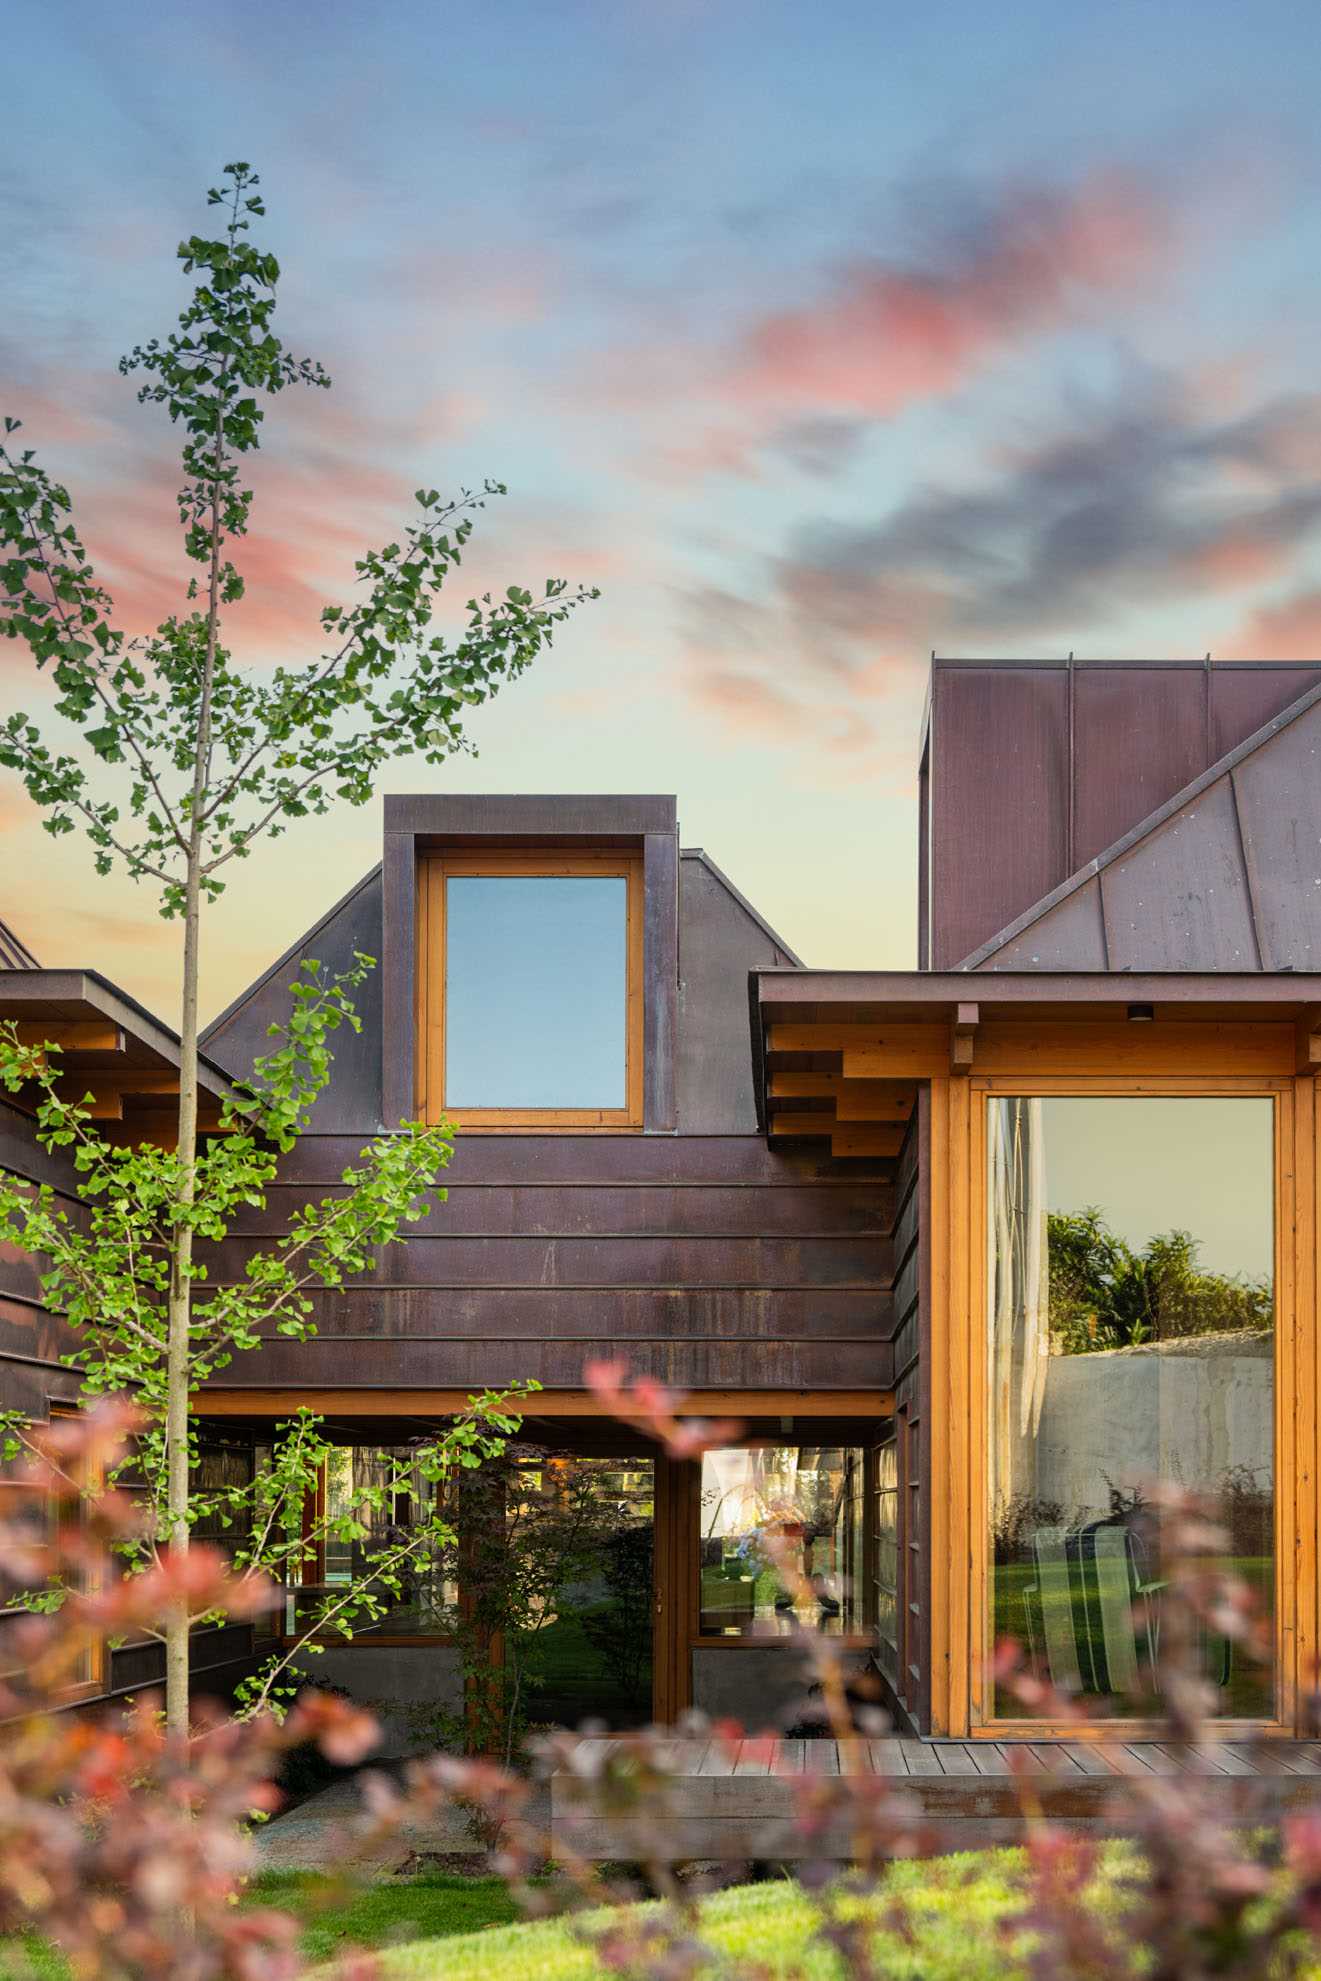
582, 1533
358, 1479
1131, 1339
804, 1501
536, 991
886, 1545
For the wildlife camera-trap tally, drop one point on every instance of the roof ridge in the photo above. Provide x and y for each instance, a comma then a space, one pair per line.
1145, 827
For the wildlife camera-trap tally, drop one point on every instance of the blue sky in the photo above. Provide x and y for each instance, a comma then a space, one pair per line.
816, 337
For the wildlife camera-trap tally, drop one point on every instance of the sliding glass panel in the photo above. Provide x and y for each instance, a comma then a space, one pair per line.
774, 1508
1131, 1339
536, 991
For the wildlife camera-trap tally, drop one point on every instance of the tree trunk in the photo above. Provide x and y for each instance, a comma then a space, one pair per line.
178, 1363
178, 1359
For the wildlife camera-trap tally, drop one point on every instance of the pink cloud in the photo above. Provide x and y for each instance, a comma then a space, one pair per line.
885, 337
1289, 630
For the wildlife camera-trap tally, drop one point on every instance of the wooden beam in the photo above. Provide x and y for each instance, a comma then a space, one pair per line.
132, 1080
874, 1100
962, 1033
865, 1141
1307, 1041
813, 1037
96, 1102
255, 1402
927, 1060
72, 1034
889, 1100
803, 1123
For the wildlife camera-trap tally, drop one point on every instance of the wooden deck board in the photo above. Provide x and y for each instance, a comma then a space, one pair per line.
888, 1757
1089, 1756
735, 1800
1021, 1759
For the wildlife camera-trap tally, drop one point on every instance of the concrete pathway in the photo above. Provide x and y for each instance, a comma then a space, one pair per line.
320, 1834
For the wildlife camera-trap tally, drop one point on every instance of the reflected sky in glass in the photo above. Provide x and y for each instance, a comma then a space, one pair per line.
1155, 1164
536, 986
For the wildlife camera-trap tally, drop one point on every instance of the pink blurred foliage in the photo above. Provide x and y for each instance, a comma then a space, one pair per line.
128, 1850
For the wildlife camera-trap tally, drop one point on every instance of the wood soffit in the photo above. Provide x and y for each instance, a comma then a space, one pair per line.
110, 1049
839, 1056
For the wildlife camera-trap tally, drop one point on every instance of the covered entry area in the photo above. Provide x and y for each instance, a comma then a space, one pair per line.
615, 1583
1114, 1220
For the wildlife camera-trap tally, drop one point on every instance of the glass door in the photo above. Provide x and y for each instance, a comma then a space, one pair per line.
1130, 1339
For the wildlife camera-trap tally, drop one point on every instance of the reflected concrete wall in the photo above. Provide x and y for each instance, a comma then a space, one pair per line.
1187, 1411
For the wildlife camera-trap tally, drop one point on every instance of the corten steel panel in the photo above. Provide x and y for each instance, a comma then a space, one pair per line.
882, 996
1245, 697
447, 816
823, 1210
1179, 899
1139, 735
32, 1340
352, 1102
701, 1363
590, 1159
398, 978
1069, 937
924, 861
1278, 789
31, 1387
28, 1333
585, 1314
999, 797
413, 824
14, 952
743, 1301
720, 940
603, 1260
660, 972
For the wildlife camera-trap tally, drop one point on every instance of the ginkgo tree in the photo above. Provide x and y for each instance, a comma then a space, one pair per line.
187, 760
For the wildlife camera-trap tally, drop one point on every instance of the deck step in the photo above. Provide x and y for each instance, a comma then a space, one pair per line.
735, 1801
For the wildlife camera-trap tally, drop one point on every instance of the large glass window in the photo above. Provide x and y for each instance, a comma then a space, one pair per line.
1131, 1322
379, 1493
780, 1540
533, 1003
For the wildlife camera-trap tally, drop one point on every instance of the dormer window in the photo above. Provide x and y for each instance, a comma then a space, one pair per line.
530, 989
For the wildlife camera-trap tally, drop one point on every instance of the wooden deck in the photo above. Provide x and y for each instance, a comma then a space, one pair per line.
733, 1802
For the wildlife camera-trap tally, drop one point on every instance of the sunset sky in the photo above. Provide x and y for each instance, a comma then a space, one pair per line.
818, 337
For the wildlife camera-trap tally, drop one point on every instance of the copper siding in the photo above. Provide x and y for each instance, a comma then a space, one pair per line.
1028, 783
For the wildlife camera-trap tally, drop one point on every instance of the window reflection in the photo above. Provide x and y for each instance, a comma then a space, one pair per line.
781, 1540
1131, 1339
377, 1490
536, 991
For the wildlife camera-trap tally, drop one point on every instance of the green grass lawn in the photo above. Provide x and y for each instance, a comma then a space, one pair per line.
433, 1905
337, 1917
439, 1927
958, 1911
958, 1905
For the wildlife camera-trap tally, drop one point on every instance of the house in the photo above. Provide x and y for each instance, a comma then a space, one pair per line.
973, 1251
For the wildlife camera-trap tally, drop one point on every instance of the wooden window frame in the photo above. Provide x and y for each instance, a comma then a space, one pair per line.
433, 870
754, 1640
961, 1627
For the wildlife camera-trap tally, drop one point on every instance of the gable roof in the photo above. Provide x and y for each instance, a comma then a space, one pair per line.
1226, 875
14, 953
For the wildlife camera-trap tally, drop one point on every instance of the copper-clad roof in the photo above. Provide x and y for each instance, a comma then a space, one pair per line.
14, 953
1225, 876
